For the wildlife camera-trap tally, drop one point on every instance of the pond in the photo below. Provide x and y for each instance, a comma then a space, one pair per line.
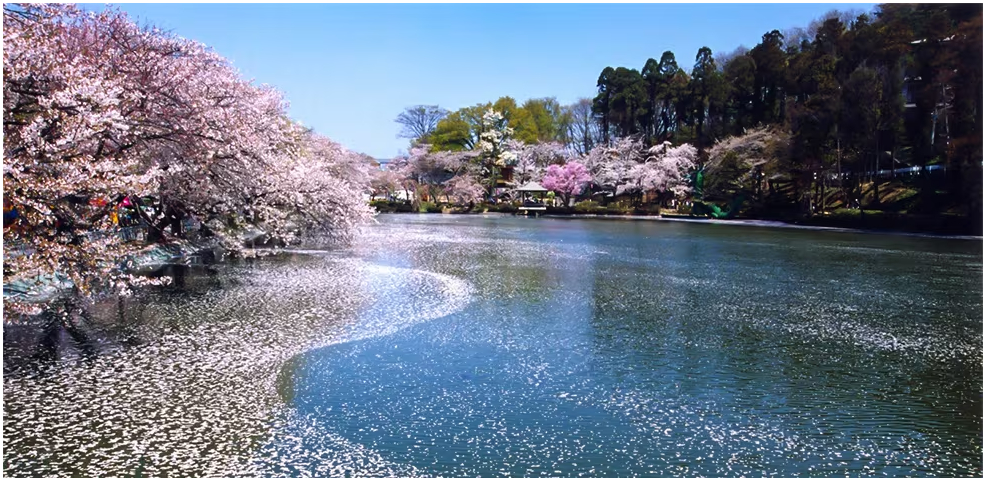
446, 345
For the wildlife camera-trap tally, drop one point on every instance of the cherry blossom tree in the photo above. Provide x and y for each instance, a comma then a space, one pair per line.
99, 112
386, 183
426, 172
403, 169
566, 180
744, 162
610, 166
664, 170
493, 145
464, 189
532, 159
316, 190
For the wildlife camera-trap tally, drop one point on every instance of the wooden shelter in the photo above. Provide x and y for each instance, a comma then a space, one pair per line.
531, 195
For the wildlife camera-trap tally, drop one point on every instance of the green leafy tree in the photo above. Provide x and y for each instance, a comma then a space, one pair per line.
620, 102
460, 130
814, 123
966, 114
654, 90
628, 101
517, 118
707, 95
548, 117
739, 74
862, 104
453, 133
770, 63
674, 83
602, 104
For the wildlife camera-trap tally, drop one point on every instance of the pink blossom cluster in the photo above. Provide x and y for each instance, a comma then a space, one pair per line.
567, 180
423, 172
533, 159
97, 109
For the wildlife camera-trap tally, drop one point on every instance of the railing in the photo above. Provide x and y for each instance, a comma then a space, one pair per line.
891, 172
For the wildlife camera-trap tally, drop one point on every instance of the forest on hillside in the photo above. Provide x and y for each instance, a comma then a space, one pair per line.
878, 110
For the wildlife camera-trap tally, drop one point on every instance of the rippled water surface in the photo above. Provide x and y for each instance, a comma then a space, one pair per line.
502, 346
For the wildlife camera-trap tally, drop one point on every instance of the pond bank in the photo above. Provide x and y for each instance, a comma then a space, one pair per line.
829, 225
763, 223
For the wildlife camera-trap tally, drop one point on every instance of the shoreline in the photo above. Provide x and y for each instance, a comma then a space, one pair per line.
770, 223
742, 222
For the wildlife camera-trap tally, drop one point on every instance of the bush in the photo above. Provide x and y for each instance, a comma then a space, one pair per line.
430, 208
589, 207
386, 206
504, 208
594, 208
892, 221
645, 210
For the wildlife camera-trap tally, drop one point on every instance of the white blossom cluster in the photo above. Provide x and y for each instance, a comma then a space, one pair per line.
628, 167
98, 111
494, 137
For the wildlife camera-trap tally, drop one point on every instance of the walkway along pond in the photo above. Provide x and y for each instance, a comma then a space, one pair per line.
506, 346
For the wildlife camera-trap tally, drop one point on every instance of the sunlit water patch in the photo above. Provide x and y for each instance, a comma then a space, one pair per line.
500, 346
620, 350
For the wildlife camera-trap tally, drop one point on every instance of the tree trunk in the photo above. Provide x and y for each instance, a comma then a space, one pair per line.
839, 168
877, 168
822, 195
494, 183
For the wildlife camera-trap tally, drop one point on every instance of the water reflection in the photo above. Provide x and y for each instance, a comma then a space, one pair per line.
188, 389
498, 346
663, 353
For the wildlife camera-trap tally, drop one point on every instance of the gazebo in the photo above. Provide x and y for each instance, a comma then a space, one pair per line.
530, 202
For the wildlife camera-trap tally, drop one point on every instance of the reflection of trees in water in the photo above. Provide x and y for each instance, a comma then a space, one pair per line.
499, 271
70, 327
38, 341
185, 379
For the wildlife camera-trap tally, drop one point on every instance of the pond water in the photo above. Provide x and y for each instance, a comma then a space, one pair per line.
503, 346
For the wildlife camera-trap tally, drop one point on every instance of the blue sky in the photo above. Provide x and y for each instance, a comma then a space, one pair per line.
348, 70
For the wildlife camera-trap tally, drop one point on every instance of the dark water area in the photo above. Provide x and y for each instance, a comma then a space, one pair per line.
504, 346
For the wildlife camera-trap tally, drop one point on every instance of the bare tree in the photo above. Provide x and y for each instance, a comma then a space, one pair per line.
794, 37
723, 59
420, 120
584, 131
845, 17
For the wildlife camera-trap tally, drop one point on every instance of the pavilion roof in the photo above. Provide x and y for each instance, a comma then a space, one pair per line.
532, 187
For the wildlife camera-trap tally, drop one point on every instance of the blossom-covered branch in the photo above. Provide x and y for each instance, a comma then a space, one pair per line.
100, 115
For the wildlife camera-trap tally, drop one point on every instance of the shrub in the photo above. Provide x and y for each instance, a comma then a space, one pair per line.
645, 210
430, 208
589, 207
505, 208
386, 206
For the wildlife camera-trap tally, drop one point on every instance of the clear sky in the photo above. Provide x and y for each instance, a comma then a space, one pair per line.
348, 70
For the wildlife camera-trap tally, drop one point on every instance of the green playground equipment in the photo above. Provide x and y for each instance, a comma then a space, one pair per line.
706, 209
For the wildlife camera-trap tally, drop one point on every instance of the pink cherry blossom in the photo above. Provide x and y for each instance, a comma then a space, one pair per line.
566, 180
97, 110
